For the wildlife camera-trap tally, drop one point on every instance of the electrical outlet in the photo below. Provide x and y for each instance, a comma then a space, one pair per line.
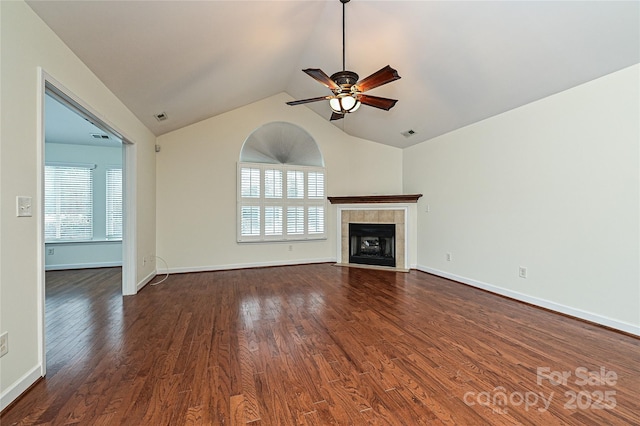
290, 248
427, 208
144, 260
522, 272
449, 257
50, 251
4, 343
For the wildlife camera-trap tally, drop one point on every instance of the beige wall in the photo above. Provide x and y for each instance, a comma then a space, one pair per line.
552, 186
196, 186
26, 44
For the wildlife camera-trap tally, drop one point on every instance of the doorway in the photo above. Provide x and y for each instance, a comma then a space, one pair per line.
82, 191
117, 230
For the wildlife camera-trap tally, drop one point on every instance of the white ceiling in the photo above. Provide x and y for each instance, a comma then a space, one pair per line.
460, 62
63, 125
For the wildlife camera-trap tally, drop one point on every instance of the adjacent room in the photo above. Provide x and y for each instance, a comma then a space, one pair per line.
320, 212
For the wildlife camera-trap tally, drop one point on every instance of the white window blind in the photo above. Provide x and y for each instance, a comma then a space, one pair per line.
68, 203
250, 182
315, 220
280, 203
114, 203
273, 220
250, 221
295, 220
295, 184
273, 183
315, 184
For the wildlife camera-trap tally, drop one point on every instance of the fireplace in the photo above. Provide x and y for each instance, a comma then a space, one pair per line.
372, 244
399, 211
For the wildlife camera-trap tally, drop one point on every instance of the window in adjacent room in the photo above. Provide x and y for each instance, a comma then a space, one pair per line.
114, 204
68, 209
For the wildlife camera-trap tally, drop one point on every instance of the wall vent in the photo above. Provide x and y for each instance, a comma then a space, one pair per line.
100, 136
161, 117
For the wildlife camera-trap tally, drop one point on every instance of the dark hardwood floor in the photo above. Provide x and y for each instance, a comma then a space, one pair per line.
317, 345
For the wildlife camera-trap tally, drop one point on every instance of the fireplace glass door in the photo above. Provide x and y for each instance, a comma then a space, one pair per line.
372, 244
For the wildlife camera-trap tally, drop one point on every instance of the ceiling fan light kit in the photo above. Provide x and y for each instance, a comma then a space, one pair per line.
348, 92
345, 99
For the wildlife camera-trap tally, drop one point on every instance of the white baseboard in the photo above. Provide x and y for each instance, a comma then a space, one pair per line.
82, 266
245, 265
146, 280
20, 386
543, 303
210, 268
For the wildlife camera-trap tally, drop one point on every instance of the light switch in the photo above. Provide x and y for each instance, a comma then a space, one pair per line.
23, 206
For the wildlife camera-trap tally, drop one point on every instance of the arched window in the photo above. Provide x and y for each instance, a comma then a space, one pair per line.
281, 185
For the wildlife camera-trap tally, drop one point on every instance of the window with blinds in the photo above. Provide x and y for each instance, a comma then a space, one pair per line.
68, 203
114, 204
315, 184
280, 203
250, 182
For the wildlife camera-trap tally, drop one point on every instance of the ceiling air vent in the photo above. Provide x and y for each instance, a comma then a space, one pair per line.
408, 133
161, 117
100, 136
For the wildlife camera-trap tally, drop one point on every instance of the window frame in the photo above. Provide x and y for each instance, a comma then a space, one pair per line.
306, 202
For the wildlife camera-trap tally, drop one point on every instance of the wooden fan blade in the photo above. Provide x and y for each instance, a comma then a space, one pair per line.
336, 116
321, 77
377, 102
306, 101
378, 78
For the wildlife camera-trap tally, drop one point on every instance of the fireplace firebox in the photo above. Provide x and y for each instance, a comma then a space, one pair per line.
372, 244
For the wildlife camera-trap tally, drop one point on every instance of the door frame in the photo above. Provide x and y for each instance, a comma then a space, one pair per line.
48, 84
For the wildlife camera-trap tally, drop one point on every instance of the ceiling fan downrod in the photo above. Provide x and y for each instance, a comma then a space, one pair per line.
345, 80
344, 2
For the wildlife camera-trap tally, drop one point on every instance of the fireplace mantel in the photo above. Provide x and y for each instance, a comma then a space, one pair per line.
375, 199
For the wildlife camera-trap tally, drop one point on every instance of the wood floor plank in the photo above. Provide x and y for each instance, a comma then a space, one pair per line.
319, 345
249, 399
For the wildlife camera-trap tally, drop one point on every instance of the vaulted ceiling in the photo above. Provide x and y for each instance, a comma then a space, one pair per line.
460, 62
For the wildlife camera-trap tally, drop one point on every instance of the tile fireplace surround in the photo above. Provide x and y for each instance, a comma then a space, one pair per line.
400, 210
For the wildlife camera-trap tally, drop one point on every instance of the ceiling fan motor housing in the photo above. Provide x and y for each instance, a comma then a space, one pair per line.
345, 79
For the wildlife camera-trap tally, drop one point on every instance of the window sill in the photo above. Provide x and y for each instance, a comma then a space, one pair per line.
282, 241
70, 242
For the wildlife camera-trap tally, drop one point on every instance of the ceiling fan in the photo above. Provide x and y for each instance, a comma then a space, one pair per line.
348, 92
